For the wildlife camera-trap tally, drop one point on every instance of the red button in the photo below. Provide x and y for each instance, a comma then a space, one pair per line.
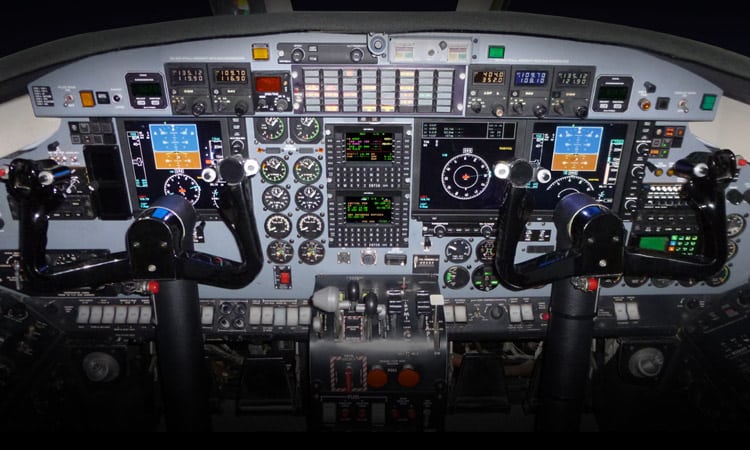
408, 377
153, 287
285, 278
377, 377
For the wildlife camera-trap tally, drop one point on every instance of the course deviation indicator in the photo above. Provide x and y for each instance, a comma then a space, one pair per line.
576, 148
175, 145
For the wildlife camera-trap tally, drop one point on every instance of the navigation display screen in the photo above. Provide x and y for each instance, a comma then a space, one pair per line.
455, 165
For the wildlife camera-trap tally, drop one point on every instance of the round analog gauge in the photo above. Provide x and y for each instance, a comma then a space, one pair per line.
661, 282
458, 250
308, 198
280, 252
276, 198
485, 278
609, 282
486, 251
690, 282
307, 170
305, 129
456, 277
735, 225
466, 176
184, 185
636, 281
278, 226
310, 226
311, 252
274, 169
731, 249
568, 185
719, 277
270, 129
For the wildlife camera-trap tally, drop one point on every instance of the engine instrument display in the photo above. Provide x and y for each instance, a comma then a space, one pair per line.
168, 157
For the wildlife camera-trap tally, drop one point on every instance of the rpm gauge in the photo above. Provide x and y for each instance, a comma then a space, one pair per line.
308, 198
310, 226
311, 252
307, 170
465, 176
569, 185
280, 252
305, 129
278, 226
184, 185
274, 169
270, 129
276, 198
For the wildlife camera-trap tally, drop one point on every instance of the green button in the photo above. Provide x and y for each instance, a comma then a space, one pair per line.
496, 52
708, 102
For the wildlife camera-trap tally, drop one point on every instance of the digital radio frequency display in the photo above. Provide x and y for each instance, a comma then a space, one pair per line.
369, 146
582, 158
168, 158
462, 155
369, 209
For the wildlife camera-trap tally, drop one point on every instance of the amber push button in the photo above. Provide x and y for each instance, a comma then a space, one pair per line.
408, 377
377, 377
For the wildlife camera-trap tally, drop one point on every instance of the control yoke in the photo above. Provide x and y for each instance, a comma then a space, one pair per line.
597, 237
159, 241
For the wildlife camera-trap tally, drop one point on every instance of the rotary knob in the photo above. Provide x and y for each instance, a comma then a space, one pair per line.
540, 110
198, 108
476, 106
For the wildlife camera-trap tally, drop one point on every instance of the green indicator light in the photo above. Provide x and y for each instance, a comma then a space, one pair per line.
708, 102
496, 52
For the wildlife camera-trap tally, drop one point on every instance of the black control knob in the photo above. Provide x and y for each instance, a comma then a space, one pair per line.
371, 304
352, 291
540, 110
180, 107
735, 196
559, 109
476, 106
282, 104
517, 108
497, 312
498, 111
631, 206
638, 172
298, 55
356, 55
237, 146
582, 112
241, 108
642, 149
439, 230
198, 108
486, 231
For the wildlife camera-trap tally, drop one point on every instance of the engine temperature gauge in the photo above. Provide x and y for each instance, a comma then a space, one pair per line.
735, 225
278, 226
274, 169
307, 170
308, 198
310, 226
184, 185
270, 129
276, 198
305, 129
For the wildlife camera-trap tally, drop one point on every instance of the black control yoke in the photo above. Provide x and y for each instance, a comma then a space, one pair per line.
159, 241
597, 236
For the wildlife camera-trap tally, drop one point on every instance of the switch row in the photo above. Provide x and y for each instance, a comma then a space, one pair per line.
455, 313
277, 316
625, 311
111, 314
521, 313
